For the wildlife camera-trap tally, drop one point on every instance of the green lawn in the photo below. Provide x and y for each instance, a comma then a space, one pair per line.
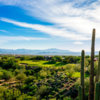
41, 63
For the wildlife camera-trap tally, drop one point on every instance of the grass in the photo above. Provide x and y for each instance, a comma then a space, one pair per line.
41, 63
76, 75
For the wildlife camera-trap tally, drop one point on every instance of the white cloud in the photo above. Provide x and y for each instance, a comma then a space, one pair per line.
48, 30
18, 38
78, 42
10, 2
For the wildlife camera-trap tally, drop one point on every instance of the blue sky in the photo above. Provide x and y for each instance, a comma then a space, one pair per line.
44, 24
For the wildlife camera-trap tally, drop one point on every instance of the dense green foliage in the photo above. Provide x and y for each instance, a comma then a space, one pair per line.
41, 77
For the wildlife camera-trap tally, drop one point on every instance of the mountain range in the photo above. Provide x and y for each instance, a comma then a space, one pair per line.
52, 51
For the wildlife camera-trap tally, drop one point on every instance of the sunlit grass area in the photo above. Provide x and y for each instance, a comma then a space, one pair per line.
41, 63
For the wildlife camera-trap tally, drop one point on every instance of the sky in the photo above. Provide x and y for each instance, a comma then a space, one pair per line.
45, 24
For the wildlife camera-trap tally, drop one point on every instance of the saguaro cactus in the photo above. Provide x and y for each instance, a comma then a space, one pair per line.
97, 91
82, 73
91, 87
98, 71
80, 92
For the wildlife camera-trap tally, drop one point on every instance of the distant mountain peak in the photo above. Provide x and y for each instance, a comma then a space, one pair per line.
51, 51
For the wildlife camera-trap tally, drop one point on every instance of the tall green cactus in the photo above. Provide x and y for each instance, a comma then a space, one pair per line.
97, 91
98, 71
82, 73
91, 87
80, 93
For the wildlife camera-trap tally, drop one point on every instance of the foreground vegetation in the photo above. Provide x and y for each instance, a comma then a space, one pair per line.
41, 77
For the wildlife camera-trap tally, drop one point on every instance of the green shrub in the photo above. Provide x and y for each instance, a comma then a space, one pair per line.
21, 77
77, 68
1, 75
8, 64
7, 75
29, 79
67, 98
26, 97
42, 92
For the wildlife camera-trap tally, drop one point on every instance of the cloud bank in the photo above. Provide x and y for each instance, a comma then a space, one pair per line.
47, 29
75, 17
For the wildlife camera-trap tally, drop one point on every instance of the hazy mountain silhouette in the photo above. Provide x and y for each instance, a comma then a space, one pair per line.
52, 51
